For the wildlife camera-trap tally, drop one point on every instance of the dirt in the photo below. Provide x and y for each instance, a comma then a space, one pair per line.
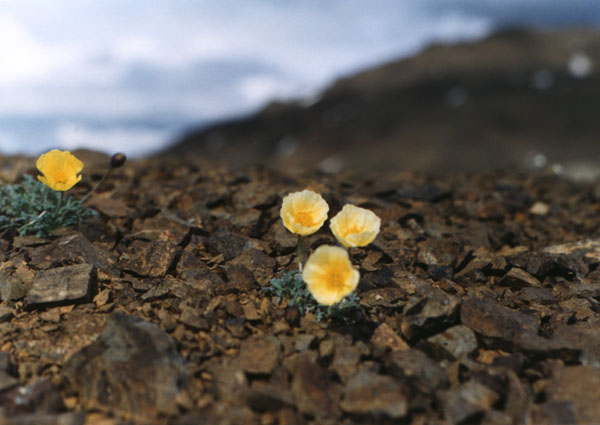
477, 305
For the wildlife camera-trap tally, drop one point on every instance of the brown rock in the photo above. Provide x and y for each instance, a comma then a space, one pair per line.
469, 399
133, 367
259, 263
385, 337
452, 344
149, 258
417, 369
70, 249
230, 244
579, 385
427, 311
490, 319
518, 278
313, 393
259, 354
371, 393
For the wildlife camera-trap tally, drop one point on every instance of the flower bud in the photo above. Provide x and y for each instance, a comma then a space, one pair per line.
118, 160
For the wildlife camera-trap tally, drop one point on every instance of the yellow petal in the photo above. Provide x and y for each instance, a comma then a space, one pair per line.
329, 274
303, 212
355, 226
60, 169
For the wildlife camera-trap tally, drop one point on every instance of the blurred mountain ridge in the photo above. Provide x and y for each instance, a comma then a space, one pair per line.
493, 103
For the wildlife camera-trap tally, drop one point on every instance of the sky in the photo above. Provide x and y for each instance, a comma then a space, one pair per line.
134, 74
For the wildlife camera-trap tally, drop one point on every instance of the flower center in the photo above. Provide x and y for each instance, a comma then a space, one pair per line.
60, 177
336, 280
352, 230
304, 218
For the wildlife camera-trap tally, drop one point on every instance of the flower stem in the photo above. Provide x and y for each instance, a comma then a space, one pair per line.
300, 253
60, 201
96, 186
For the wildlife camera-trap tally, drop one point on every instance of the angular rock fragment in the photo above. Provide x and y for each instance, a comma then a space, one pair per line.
230, 244
239, 279
489, 319
263, 396
6, 314
70, 249
417, 369
62, 284
259, 263
370, 393
385, 337
196, 274
68, 418
6, 380
579, 385
15, 280
133, 368
518, 278
39, 398
259, 354
452, 344
440, 256
149, 258
469, 399
313, 392
428, 311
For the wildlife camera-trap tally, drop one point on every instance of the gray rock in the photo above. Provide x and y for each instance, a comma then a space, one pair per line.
370, 393
133, 368
69, 283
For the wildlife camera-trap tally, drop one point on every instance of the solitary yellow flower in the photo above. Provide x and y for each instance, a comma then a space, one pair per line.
303, 212
59, 169
329, 275
355, 226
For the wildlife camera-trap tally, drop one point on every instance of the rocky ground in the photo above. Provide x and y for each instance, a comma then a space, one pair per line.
480, 303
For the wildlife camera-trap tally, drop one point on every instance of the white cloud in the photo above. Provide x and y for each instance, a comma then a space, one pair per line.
132, 141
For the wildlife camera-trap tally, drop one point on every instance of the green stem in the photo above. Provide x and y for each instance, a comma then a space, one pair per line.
300, 253
61, 198
60, 201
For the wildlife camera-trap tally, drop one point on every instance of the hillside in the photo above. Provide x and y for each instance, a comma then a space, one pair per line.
469, 106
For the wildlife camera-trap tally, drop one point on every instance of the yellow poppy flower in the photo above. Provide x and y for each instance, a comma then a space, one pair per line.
303, 212
59, 169
329, 274
355, 226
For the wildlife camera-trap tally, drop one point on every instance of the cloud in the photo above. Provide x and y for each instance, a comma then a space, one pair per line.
182, 61
134, 141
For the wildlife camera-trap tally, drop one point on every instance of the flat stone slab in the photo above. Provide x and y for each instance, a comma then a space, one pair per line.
61, 284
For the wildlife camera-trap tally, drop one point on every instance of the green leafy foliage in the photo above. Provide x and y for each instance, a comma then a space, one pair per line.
291, 287
33, 208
